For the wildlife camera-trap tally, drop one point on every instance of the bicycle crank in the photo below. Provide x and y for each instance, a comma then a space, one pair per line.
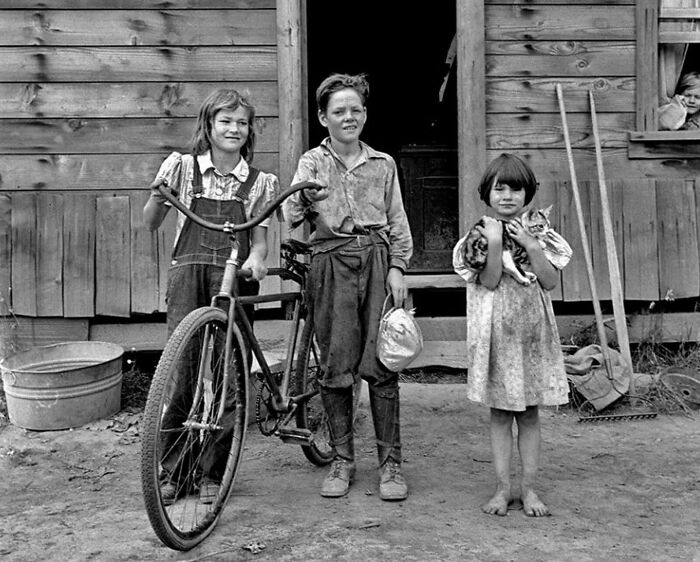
267, 418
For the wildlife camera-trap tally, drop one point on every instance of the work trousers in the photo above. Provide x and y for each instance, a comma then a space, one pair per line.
348, 289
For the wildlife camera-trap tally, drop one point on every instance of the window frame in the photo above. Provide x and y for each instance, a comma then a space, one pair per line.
647, 141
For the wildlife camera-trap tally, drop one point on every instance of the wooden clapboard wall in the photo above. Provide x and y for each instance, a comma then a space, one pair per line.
530, 45
93, 96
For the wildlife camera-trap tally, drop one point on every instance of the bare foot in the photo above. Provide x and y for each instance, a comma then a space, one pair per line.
533, 506
497, 505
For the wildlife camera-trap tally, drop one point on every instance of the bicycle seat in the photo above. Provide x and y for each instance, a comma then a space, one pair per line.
296, 247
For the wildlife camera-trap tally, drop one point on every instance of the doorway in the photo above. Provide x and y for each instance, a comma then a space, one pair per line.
411, 109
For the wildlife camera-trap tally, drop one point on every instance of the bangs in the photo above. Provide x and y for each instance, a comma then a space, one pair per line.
512, 170
516, 174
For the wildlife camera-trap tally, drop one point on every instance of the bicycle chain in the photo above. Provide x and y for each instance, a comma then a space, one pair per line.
264, 424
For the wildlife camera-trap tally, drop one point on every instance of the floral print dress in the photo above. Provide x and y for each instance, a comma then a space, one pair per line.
514, 356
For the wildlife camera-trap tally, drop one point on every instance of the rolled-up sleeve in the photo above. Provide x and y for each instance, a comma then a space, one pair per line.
400, 239
295, 207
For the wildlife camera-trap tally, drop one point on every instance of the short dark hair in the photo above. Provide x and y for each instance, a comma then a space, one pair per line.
510, 169
336, 82
216, 101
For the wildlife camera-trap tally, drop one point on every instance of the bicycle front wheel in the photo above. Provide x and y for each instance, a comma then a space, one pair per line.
310, 413
190, 455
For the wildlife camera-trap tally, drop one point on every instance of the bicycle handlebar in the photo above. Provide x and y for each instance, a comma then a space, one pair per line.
162, 184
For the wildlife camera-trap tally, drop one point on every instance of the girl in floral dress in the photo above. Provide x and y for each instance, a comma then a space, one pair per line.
515, 362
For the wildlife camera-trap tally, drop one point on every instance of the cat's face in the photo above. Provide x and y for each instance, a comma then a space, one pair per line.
536, 221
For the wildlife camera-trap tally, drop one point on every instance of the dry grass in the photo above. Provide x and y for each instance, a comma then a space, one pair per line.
651, 357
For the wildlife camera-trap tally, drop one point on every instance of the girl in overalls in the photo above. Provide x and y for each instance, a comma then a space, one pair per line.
216, 182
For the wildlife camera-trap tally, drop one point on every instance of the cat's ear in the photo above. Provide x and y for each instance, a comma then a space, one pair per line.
547, 210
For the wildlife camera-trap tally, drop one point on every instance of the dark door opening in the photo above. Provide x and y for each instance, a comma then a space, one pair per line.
412, 107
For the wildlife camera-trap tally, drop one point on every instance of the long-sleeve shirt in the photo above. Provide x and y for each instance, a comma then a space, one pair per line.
363, 198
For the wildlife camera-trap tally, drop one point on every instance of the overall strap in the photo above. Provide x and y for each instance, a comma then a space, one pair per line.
247, 185
197, 186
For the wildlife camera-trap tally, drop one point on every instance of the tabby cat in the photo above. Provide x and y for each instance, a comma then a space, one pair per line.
535, 222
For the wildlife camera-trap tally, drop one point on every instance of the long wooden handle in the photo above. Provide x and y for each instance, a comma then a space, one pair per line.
584, 237
613, 264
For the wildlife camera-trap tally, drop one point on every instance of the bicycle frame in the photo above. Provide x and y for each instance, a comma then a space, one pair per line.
229, 291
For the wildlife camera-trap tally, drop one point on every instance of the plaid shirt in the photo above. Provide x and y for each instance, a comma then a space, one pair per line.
365, 197
217, 185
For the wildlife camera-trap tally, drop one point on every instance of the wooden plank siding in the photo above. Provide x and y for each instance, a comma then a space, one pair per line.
530, 46
94, 94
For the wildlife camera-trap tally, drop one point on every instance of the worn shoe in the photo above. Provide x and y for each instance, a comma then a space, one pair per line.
208, 490
168, 493
338, 481
392, 484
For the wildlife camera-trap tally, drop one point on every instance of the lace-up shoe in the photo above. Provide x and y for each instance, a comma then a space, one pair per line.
392, 484
338, 481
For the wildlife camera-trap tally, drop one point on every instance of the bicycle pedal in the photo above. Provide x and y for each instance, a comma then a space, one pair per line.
295, 436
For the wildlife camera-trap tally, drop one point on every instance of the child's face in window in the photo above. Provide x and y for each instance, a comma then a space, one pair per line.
345, 116
691, 98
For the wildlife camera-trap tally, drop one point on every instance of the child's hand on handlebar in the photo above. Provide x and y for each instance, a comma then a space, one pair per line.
154, 187
256, 266
318, 193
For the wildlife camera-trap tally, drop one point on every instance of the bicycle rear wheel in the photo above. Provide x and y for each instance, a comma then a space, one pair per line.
182, 443
310, 413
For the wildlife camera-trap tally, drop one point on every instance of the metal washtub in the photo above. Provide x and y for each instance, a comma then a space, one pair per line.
63, 385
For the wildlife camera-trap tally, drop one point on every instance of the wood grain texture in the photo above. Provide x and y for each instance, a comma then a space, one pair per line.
144, 259
94, 172
139, 4
49, 257
568, 23
536, 95
543, 130
679, 266
143, 28
471, 76
24, 252
137, 64
552, 164
110, 136
113, 260
79, 254
5, 253
124, 99
640, 239
554, 59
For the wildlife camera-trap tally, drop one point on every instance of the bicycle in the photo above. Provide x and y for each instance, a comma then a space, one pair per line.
198, 401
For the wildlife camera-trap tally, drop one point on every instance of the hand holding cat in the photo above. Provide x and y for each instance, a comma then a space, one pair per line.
520, 234
492, 229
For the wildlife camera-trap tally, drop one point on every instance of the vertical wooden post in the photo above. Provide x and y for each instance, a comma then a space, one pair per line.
647, 33
293, 108
471, 107
291, 81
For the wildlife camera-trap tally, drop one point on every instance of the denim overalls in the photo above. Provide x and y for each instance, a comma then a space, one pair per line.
194, 278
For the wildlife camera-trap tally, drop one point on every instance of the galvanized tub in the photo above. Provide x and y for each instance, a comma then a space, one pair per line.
63, 385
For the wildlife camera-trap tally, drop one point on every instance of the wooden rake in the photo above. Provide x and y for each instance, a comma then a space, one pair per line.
611, 251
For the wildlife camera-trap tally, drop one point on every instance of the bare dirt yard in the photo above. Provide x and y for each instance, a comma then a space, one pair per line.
624, 490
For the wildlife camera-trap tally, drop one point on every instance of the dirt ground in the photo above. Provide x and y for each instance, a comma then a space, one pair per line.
625, 490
